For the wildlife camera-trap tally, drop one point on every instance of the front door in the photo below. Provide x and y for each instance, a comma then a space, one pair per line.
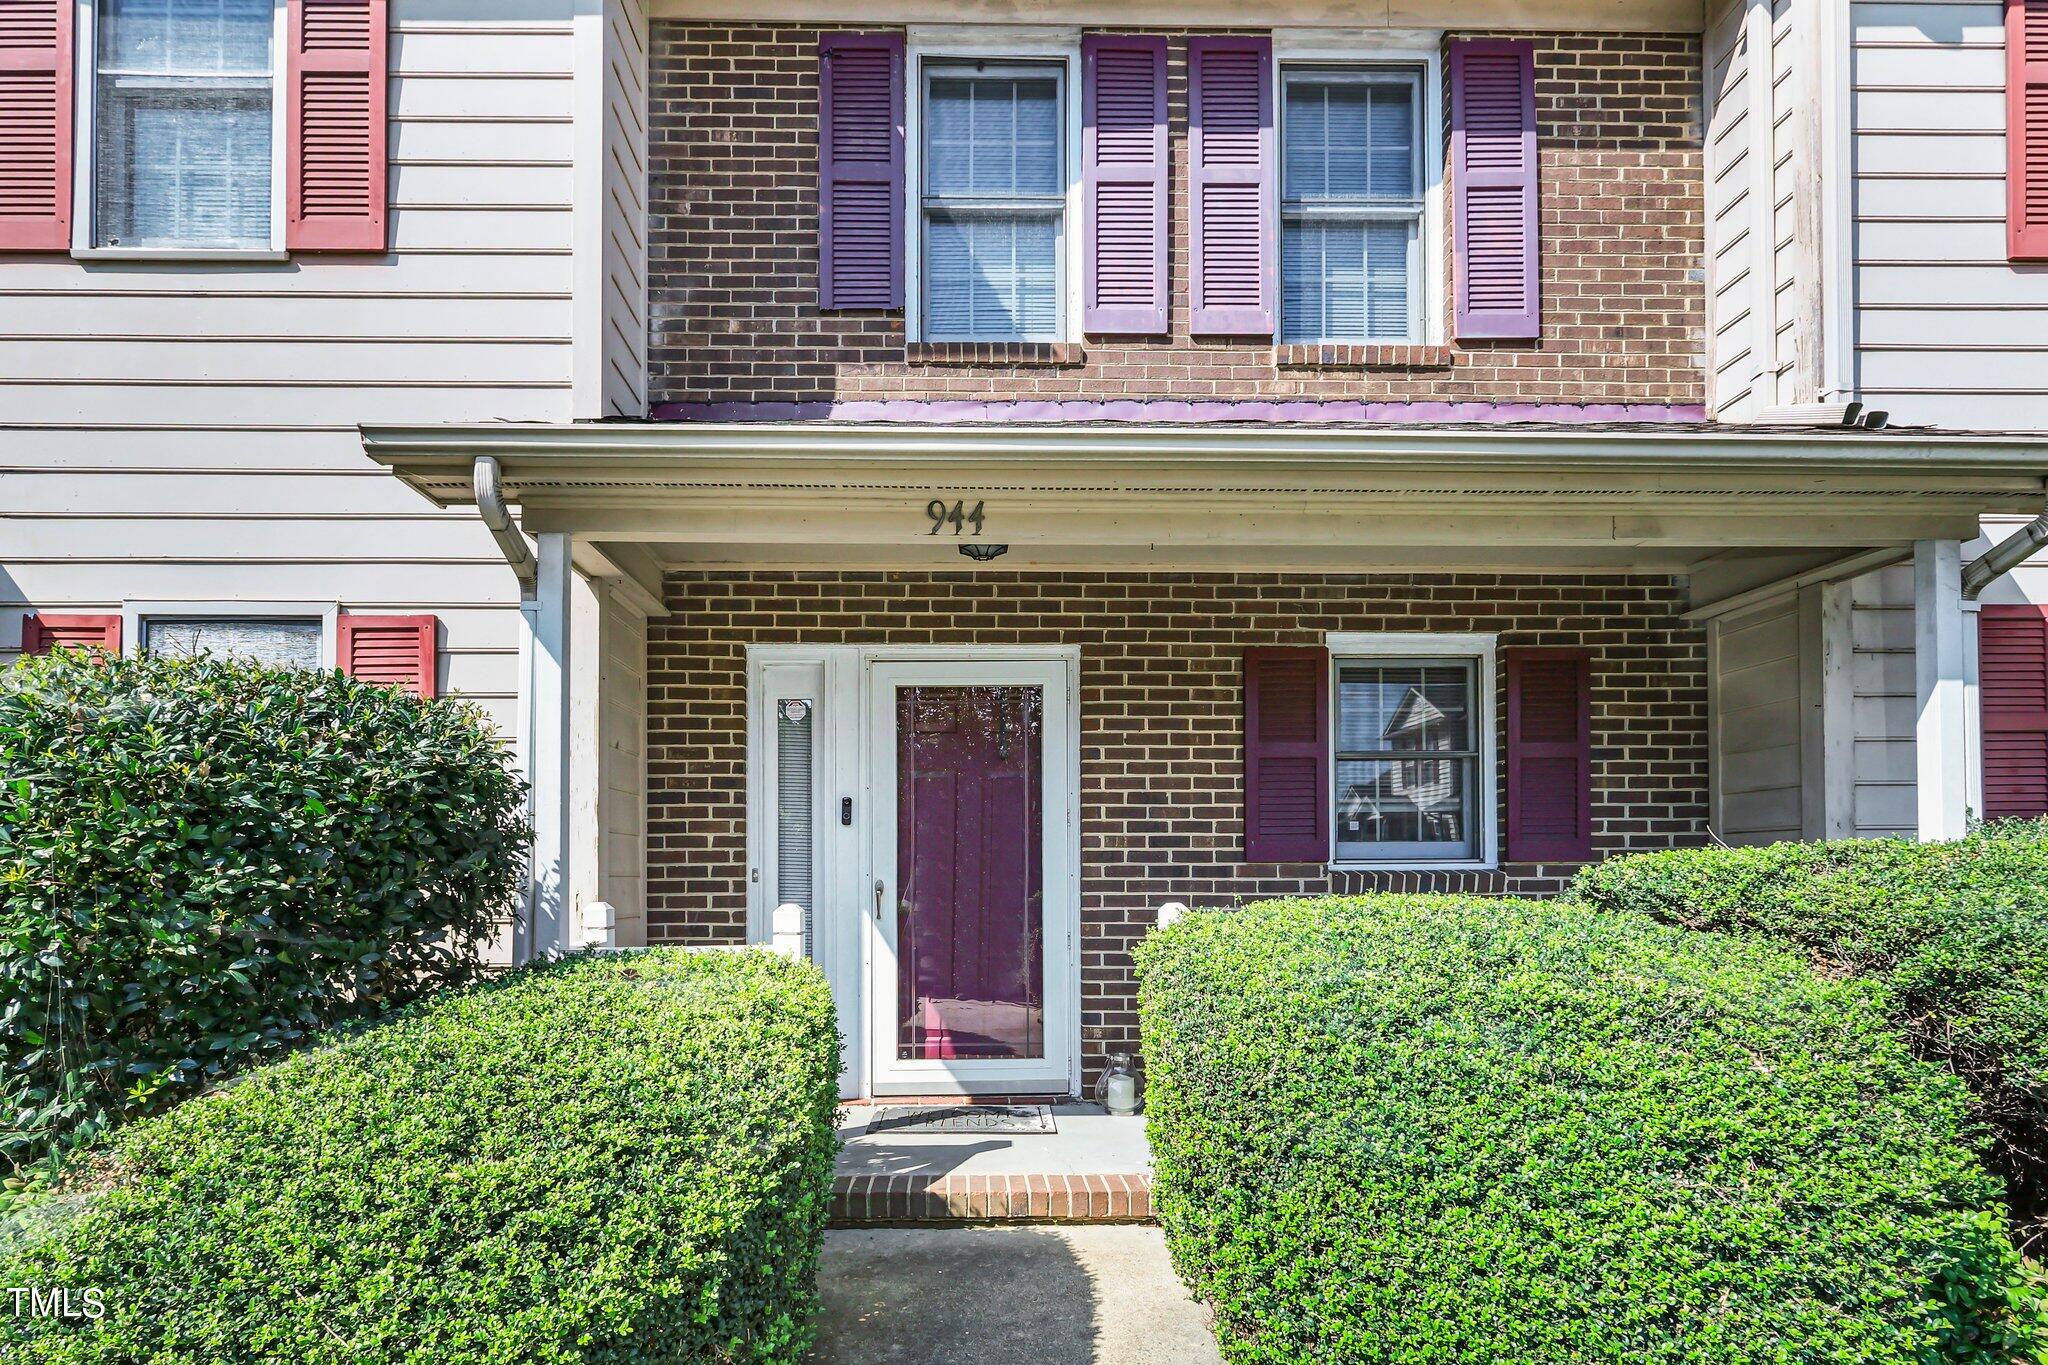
972, 858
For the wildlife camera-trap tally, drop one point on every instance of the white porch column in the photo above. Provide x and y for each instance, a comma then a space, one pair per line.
1940, 733
548, 692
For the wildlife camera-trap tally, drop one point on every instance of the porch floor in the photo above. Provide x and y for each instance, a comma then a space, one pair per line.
1095, 1169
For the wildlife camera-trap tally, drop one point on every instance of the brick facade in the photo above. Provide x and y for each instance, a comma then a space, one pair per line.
733, 252
1161, 722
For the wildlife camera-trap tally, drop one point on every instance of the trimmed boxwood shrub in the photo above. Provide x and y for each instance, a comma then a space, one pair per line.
1439, 1129
623, 1158
1953, 935
201, 860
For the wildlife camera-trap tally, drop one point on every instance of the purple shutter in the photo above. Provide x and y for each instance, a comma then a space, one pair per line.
860, 170
1234, 249
1493, 174
1124, 159
1286, 755
1550, 755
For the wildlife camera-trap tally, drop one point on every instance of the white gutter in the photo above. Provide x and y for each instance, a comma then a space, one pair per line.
490, 506
2002, 558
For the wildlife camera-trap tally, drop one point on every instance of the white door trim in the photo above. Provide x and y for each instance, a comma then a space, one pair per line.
845, 870
1057, 670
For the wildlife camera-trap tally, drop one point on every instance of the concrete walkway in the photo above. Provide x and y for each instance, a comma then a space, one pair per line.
1088, 1295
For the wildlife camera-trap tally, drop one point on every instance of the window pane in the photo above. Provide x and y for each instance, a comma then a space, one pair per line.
1398, 807
1395, 707
185, 37
182, 151
1346, 280
282, 644
794, 807
1407, 808
993, 136
991, 278
1349, 139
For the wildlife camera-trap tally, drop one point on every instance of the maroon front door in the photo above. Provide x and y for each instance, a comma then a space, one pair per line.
970, 868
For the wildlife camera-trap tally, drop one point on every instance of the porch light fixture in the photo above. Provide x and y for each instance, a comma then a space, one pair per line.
982, 553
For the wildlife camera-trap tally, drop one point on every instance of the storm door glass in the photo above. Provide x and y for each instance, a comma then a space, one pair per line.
970, 859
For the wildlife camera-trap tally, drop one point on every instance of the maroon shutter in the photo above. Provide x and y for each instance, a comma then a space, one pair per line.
1493, 178
335, 82
35, 125
2012, 658
43, 632
1286, 755
397, 651
860, 170
1550, 756
2026, 123
1234, 254
1124, 156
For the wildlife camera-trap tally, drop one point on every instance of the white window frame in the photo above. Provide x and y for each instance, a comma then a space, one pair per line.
85, 146
136, 616
1026, 44
1418, 50
1482, 651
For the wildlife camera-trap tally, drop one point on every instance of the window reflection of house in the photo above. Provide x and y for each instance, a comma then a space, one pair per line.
1392, 801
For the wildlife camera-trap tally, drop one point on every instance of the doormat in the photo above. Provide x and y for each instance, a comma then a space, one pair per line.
963, 1118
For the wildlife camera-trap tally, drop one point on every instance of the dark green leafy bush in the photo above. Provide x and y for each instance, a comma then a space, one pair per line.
1437, 1129
624, 1158
1953, 935
202, 860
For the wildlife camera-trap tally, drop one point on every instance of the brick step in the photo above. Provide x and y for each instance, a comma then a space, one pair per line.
869, 1200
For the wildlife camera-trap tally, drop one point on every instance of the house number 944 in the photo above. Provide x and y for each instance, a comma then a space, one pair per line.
956, 514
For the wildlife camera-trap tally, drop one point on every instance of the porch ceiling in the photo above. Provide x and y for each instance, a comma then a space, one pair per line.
1126, 493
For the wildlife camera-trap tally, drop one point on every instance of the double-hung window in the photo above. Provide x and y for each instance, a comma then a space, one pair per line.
993, 201
1351, 204
183, 109
1410, 754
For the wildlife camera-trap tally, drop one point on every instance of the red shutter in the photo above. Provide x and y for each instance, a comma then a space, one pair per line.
335, 125
395, 650
2012, 689
1550, 756
1124, 156
860, 170
35, 125
2026, 129
1286, 755
1234, 254
1493, 176
43, 632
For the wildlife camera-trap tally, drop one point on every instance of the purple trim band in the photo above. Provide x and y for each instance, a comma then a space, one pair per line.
1175, 411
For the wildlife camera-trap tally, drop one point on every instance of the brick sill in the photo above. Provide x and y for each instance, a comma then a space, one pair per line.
1331, 357
1023, 354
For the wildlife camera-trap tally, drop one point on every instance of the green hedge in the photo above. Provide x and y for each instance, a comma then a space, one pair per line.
1954, 936
203, 860
1436, 1129
616, 1159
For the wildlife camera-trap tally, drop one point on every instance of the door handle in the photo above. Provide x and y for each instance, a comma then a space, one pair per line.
878, 900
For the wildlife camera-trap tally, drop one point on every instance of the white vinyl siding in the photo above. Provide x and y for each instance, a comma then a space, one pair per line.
1351, 204
182, 113
186, 431
993, 202
1886, 703
1948, 332
1756, 660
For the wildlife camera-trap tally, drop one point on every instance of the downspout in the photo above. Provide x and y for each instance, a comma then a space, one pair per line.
490, 505
2004, 557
